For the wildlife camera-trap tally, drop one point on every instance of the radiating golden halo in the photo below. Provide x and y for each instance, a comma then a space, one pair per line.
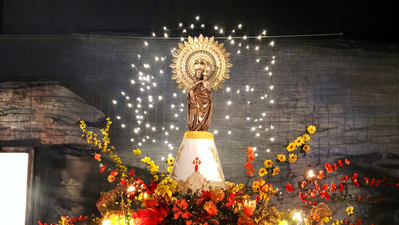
206, 49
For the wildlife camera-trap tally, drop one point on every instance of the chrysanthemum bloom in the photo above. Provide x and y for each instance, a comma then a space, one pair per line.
276, 170
281, 158
299, 141
268, 163
306, 137
262, 172
171, 160
291, 147
292, 158
311, 129
306, 148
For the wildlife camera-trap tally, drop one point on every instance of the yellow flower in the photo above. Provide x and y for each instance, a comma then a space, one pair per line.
169, 169
171, 160
111, 178
276, 170
154, 168
155, 177
325, 219
306, 137
292, 158
311, 129
349, 210
146, 159
151, 163
137, 152
268, 163
306, 148
281, 158
291, 146
299, 141
262, 172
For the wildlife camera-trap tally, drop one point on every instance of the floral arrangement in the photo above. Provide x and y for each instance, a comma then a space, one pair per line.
159, 201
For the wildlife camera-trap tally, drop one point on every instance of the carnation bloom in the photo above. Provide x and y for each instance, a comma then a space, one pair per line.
291, 147
306, 137
171, 160
281, 158
292, 158
299, 141
268, 163
210, 208
111, 178
262, 172
276, 170
306, 148
311, 129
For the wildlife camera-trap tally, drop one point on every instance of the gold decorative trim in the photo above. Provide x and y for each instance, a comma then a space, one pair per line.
204, 49
198, 135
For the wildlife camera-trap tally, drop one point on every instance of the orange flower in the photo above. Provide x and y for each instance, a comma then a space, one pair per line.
245, 220
179, 208
217, 195
97, 156
276, 170
210, 207
250, 151
111, 178
306, 148
320, 174
249, 210
347, 161
251, 158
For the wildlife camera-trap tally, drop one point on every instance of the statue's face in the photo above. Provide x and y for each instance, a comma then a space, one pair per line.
200, 65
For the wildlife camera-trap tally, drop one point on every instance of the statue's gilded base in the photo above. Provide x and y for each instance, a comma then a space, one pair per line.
197, 165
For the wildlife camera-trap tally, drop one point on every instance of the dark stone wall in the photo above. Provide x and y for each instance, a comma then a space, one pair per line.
347, 89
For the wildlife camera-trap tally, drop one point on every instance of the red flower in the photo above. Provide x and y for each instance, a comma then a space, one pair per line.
335, 166
317, 186
314, 203
179, 208
344, 178
313, 194
359, 197
97, 156
347, 161
206, 195
333, 186
377, 183
123, 182
249, 210
75, 220
251, 158
80, 218
153, 186
339, 161
341, 187
114, 173
354, 176
85, 218
366, 180
325, 187
327, 196
289, 188
132, 172
327, 165
320, 174
103, 168
230, 200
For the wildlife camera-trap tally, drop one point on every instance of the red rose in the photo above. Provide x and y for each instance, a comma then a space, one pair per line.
97, 157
